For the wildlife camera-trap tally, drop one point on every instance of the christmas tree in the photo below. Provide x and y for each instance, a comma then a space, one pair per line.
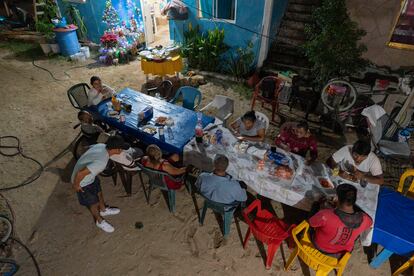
110, 15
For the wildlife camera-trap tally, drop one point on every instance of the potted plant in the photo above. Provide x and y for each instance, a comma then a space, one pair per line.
46, 29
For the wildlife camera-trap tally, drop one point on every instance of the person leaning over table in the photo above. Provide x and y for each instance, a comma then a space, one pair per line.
153, 160
357, 163
219, 186
249, 127
99, 91
334, 231
86, 183
297, 138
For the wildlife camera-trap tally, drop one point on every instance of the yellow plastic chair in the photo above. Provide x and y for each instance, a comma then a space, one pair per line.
404, 267
312, 257
404, 176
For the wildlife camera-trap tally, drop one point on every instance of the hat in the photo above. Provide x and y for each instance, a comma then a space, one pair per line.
116, 142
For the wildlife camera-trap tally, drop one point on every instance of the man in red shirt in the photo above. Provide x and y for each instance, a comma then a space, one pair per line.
335, 230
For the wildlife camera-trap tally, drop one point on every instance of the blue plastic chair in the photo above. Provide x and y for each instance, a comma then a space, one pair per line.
156, 180
191, 97
225, 210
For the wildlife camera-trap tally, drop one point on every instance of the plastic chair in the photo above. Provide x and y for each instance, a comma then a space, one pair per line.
191, 97
404, 176
225, 210
404, 267
157, 180
224, 106
266, 228
312, 257
78, 95
267, 91
262, 117
165, 89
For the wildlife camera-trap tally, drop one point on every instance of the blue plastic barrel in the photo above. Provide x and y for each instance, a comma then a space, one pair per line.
67, 40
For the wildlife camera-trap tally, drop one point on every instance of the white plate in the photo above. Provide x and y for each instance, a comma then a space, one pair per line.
113, 113
151, 130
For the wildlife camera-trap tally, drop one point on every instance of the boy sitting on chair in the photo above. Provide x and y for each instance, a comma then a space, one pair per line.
99, 91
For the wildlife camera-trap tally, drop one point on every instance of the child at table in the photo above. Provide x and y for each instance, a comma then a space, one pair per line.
153, 160
99, 91
88, 127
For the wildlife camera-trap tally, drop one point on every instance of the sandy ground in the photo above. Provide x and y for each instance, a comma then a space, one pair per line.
61, 233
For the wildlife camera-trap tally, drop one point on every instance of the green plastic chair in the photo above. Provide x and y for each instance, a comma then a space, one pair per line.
156, 181
191, 97
225, 210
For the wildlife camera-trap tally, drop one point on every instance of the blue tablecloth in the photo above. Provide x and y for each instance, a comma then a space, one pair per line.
184, 120
394, 224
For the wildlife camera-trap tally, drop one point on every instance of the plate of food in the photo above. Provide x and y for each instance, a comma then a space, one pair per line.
283, 172
164, 121
326, 183
151, 130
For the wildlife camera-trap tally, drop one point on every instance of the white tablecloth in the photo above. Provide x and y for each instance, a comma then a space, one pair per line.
300, 192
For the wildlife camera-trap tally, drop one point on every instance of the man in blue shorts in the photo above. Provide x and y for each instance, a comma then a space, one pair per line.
86, 182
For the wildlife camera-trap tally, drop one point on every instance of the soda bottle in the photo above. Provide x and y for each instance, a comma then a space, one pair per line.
170, 133
199, 128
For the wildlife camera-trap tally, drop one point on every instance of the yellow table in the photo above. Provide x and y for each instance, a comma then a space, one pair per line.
166, 67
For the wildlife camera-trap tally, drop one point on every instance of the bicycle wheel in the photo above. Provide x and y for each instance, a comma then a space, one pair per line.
6, 228
8, 267
338, 95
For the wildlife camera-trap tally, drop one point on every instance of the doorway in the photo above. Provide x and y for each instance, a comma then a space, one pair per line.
157, 30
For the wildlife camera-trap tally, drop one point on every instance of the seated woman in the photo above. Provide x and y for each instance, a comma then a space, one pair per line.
249, 127
296, 138
99, 91
153, 160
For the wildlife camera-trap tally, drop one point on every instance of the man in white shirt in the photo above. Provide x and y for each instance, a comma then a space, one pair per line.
86, 183
358, 163
99, 91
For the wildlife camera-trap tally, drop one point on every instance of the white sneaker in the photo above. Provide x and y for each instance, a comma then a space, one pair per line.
109, 211
104, 225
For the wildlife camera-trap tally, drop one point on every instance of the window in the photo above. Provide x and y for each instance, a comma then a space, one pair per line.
217, 9
402, 35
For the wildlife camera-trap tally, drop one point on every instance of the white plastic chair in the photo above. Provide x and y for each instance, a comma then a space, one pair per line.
224, 105
262, 117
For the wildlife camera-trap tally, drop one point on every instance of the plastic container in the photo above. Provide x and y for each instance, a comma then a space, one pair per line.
85, 51
78, 57
67, 40
284, 94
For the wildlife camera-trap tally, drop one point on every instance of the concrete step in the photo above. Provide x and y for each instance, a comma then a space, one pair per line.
297, 16
286, 49
306, 2
291, 33
299, 8
292, 24
290, 41
274, 66
286, 58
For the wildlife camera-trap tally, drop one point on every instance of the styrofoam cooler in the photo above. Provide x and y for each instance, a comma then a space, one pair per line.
78, 57
284, 94
85, 51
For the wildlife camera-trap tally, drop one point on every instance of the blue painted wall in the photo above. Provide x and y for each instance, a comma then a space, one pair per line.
92, 12
249, 14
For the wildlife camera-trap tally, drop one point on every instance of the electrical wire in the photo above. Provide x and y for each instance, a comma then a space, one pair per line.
51, 73
30, 253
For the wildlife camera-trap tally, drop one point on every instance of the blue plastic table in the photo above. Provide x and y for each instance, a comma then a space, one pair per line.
394, 226
185, 120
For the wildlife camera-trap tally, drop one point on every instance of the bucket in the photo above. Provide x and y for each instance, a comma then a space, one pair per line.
67, 40
46, 48
85, 51
404, 135
78, 57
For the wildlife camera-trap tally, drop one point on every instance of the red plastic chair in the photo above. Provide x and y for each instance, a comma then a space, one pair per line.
266, 228
262, 93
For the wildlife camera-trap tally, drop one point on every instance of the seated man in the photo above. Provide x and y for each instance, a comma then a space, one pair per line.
99, 91
335, 230
357, 163
218, 186
86, 183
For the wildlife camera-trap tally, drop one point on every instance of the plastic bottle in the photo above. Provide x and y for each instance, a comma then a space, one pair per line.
199, 128
170, 133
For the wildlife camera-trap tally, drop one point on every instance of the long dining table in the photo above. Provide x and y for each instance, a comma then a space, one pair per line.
301, 191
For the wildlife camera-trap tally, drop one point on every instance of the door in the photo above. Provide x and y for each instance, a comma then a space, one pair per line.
148, 21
